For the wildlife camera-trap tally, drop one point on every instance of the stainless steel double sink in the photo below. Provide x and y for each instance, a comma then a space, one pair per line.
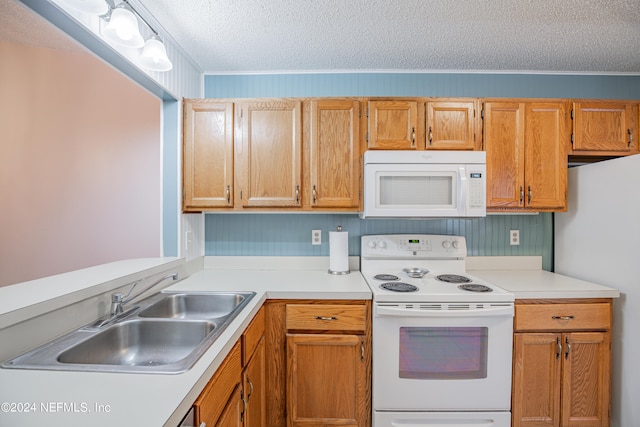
165, 333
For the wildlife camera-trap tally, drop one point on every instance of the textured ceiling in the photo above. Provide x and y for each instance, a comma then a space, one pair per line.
230, 36
319, 35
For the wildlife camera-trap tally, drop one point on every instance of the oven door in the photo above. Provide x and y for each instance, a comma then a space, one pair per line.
438, 357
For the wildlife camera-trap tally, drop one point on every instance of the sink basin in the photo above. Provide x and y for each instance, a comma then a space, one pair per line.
195, 306
139, 343
165, 334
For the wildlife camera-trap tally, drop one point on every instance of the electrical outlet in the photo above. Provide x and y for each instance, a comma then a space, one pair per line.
316, 237
514, 237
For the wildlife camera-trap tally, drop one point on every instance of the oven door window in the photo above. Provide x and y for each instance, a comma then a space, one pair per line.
443, 352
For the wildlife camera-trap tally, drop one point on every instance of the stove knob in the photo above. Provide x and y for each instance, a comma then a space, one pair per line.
371, 244
446, 244
382, 244
455, 244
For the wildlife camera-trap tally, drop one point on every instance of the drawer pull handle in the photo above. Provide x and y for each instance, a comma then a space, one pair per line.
326, 318
562, 317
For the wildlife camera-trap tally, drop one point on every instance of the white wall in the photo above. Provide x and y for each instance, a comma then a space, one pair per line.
79, 164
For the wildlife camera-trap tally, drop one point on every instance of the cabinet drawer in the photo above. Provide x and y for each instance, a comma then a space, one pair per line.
251, 336
326, 317
215, 395
562, 317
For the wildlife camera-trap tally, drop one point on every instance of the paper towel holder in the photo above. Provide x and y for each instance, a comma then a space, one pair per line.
347, 271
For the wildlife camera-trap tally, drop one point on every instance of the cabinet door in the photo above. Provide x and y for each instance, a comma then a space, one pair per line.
536, 377
207, 155
269, 154
393, 125
546, 141
334, 154
586, 379
224, 384
451, 125
232, 414
254, 386
504, 144
602, 127
326, 380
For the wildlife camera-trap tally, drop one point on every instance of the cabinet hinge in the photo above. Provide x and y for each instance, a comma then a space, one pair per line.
241, 112
572, 114
482, 114
366, 137
367, 112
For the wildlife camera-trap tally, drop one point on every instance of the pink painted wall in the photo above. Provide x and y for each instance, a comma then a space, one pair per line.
80, 178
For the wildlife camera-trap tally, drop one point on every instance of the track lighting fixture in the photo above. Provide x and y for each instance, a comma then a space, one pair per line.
122, 30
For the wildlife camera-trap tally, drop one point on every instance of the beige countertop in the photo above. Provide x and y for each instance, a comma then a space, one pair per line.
526, 280
57, 398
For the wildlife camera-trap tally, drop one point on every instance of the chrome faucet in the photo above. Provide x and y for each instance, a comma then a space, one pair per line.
118, 299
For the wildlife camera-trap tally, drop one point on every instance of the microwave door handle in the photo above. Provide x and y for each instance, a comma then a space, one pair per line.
463, 188
506, 310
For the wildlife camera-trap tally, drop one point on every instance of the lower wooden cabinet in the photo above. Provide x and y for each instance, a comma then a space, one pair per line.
562, 365
235, 395
221, 391
326, 377
319, 364
232, 415
254, 388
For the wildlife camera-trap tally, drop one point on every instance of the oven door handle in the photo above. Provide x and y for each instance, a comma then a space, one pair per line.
395, 311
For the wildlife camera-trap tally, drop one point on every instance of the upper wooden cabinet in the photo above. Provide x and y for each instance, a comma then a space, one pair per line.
453, 125
393, 125
526, 145
207, 155
607, 128
269, 154
332, 155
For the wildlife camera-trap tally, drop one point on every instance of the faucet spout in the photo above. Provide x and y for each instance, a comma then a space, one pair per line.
118, 300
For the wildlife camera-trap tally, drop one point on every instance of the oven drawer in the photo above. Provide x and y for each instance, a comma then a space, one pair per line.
330, 317
562, 317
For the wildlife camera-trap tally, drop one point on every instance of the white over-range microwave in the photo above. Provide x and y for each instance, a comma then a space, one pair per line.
424, 184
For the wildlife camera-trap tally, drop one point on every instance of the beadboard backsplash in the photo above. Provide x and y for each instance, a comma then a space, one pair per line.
282, 234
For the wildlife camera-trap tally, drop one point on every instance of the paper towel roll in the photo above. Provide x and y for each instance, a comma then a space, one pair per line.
339, 252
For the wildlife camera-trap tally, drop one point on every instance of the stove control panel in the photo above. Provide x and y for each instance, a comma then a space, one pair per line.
427, 246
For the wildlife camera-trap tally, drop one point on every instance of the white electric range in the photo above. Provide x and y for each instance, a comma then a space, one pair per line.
442, 339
